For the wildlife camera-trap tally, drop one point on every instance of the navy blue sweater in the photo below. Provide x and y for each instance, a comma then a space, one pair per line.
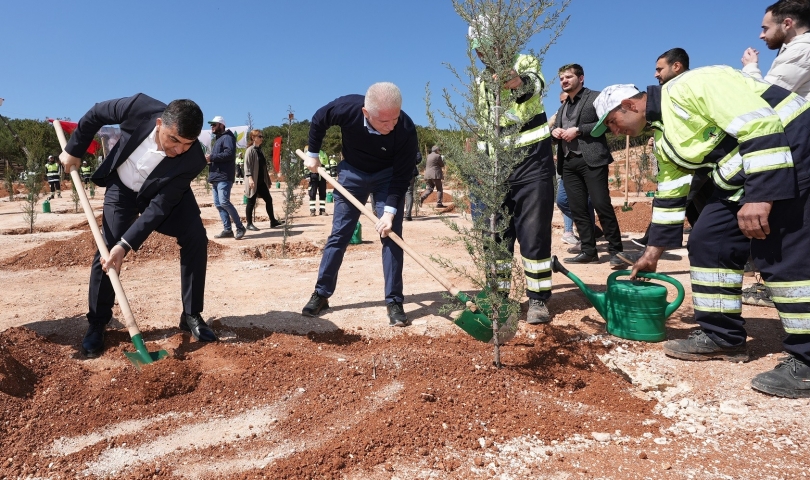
223, 159
365, 151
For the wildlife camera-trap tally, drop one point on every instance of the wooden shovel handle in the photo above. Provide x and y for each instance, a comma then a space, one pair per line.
393, 236
129, 319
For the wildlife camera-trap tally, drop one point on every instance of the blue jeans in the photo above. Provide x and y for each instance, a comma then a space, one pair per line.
361, 184
562, 204
222, 200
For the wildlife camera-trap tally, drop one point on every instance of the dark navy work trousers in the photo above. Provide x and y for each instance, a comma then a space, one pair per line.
361, 184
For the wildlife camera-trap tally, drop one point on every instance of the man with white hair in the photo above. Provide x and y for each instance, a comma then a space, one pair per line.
379, 150
753, 136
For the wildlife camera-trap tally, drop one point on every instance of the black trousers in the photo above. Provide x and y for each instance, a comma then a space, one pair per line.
264, 193
182, 223
317, 186
582, 181
56, 185
718, 251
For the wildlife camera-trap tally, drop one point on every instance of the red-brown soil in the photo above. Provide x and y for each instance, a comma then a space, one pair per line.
79, 251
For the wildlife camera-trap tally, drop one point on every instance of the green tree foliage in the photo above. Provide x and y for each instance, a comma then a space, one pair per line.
504, 28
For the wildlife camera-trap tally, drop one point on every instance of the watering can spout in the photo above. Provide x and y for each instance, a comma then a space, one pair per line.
596, 298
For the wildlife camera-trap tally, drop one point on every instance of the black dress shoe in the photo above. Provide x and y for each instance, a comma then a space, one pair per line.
196, 326
277, 223
93, 342
582, 258
251, 227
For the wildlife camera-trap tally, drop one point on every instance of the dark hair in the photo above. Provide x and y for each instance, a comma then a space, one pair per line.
676, 55
798, 10
186, 116
577, 68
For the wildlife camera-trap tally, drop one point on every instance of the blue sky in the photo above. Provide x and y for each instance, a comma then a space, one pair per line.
58, 58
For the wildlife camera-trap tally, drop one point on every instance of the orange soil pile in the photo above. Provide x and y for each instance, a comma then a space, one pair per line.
79, 251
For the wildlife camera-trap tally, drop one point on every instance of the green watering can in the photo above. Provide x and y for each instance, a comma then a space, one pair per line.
633, 309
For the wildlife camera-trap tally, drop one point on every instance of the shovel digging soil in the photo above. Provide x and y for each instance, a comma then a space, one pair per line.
142, 356
475, 319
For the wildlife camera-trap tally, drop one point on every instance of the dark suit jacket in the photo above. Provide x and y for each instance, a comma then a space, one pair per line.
594, 150
165, 186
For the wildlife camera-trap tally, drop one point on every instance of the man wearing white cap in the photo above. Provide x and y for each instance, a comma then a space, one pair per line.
221, 175
753, 135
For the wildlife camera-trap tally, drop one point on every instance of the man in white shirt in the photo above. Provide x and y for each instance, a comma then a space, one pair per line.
147, 176
785, 27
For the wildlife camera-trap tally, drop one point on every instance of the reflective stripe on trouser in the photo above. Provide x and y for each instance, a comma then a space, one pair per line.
344, 219
718, 251
532, 206
317, 187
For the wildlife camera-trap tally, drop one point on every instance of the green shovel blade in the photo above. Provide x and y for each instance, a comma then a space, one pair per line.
142, 356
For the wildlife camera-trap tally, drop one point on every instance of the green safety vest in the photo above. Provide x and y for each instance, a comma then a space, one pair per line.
52, 170
86, 170
517, 113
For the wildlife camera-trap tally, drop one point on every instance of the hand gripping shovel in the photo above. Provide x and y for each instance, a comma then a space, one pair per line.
142, 356
475, 318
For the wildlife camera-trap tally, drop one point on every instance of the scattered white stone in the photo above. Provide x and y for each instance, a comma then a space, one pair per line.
601, 436
733, 407
660, 440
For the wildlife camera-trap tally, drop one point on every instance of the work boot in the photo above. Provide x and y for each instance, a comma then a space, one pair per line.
630, 258
538, 312
224, 234
315, 304
791, 379
759, 295
616, 262
322, 212
240, 232
700, 347
408, 218
196, 326
93, 341
312, 212
396, 315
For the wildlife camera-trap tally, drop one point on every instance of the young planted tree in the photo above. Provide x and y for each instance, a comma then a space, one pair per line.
484, 153
293, 172
8, 181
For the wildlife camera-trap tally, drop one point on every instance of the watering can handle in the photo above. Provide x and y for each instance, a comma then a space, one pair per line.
656, 276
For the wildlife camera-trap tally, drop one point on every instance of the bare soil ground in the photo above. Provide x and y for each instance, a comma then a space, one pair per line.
346, 396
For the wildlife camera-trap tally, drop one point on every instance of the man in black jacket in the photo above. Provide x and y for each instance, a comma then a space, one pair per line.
583, 161
148, 176
221, 175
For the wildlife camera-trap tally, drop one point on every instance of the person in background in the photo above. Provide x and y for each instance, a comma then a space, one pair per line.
411, 187
221, 175
258, 181
240, 168
582, 160
434, 176
52, 172
86, 172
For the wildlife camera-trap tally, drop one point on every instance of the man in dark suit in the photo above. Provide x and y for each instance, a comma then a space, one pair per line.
148, 176
583, 161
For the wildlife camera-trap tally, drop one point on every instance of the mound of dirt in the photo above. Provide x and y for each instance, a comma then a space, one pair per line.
310, 406
273, 250
79, 251
635, 220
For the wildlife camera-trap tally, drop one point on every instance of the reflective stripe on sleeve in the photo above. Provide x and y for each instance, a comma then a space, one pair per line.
738, 123
767, 160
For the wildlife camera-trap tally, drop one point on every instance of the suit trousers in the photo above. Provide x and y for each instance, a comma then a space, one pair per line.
718, 251
182, 223
409, 198
582, 181
361, 184
431, 184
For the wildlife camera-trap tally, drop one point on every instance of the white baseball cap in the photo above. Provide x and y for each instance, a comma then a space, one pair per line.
217, 119
610, 98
